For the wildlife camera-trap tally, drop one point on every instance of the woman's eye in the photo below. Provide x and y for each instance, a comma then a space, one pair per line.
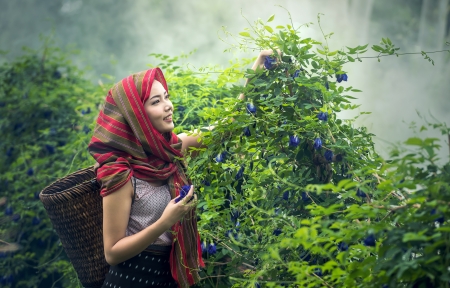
156, 102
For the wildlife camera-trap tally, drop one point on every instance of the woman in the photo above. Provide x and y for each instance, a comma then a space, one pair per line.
150, 238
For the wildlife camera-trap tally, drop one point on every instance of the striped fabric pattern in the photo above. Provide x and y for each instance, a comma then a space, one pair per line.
125, 144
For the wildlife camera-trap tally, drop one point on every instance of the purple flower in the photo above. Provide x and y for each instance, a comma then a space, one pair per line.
269, 62
183, 192
235, 215
30, 172
251, 108
329, 155
240, 173
323, 116
277, 231
296, 73
203, 246
341, 77
286, 195
342, 246
87, 111
439, 219
305, 197
212, 249
247, 132
15, 217
50, 149
360, 193
9, 211
221, 156
317, 143
86, 129
294, 141
36, 221
370, 240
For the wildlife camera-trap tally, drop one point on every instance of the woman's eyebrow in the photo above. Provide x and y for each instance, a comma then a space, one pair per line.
158, 95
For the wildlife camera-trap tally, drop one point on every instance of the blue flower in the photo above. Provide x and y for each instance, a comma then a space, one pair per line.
296, 73
237, 226
36, 195
329, 155
318, 272
15, 217
50, 149
86, 129
206, 183
247, 132
36, 221
370, 240
360, 193
269, 62
240, 173
286, 195
327, 85
9, 152
277, 231
439, 219
341, 77
251, 108
257, 285
9, 211
305, 197
294, 141
323, 116
183, 192
342, 246
30, 172
235, 215
203, 246
385, 286
221, 156
212, 249
317, 143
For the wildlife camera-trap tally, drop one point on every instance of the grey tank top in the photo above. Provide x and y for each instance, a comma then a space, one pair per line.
147, 207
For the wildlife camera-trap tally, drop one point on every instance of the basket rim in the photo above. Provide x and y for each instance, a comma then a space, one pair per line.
43, 194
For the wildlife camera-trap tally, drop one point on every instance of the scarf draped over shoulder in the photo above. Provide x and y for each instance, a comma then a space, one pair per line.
125, 144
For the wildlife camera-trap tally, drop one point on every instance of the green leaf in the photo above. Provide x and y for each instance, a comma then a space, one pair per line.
269, 29
414, 141
271, 18
245, 34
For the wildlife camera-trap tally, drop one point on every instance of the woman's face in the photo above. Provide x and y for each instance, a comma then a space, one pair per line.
159, 108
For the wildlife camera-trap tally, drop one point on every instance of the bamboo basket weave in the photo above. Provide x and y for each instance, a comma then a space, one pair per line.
74, 206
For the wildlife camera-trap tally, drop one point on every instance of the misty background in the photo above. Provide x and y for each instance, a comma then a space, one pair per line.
116, 38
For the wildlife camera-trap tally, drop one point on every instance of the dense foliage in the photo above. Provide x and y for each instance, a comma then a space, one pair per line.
290, 193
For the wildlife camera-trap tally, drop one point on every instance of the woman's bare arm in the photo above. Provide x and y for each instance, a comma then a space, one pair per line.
116, 212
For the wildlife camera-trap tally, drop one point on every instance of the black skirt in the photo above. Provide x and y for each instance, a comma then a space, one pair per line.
147, 269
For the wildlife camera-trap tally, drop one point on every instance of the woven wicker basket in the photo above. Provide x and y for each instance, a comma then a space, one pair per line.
74, 206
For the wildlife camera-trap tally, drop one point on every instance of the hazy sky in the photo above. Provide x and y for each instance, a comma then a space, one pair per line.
115, 37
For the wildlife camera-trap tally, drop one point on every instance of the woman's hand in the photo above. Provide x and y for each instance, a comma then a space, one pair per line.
259, 63
175, 211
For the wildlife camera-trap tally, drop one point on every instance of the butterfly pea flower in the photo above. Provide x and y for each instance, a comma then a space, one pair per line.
247, 132
15, 217
183, 192
318, 272
327, 85
317, 143
370, 240
342, 246
251, 108
35, 221
9, 152
203, 246
328, 155
270, 62
323, 116
221, 156
294, 141
206, 183
240, 173
9, 211
296, 73
257, 285
286, 195
30, 172
360, 193
305, 197
50, 149
277, 231
212, 249
341, 77
36, 195
440, 219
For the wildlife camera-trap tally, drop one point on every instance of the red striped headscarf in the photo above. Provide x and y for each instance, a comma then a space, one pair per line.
125, 144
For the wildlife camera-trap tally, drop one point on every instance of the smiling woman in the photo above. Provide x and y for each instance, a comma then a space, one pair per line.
141, 175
